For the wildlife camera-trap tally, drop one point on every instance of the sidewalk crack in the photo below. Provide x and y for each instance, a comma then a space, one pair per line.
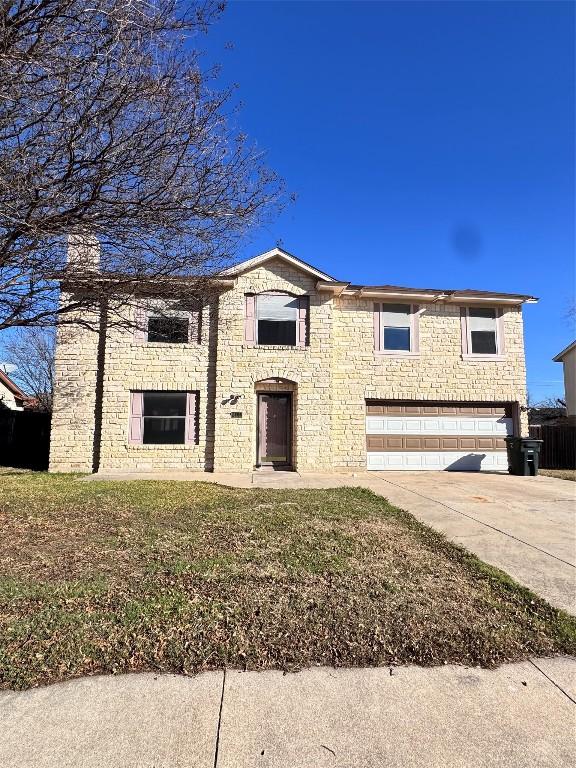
552, 681
217, 748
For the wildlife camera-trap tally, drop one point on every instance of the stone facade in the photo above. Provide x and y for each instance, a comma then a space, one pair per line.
438, 372
330, 379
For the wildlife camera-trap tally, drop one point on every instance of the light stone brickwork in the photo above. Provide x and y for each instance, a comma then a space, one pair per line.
240, 367
437, 373
330, 379
133, 365
73, 415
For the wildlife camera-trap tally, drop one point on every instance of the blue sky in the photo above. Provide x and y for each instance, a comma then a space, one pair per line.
429, 144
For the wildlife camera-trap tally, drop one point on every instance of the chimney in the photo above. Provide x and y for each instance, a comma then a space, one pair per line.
83, 255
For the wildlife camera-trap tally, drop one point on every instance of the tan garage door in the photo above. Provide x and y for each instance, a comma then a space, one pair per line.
414, 434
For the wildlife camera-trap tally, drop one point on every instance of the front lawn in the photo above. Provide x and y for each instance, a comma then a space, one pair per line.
178, 577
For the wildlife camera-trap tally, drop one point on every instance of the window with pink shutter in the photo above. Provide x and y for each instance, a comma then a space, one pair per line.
276, 319
163, 418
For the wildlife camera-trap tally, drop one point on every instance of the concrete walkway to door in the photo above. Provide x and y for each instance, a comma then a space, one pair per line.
524, 525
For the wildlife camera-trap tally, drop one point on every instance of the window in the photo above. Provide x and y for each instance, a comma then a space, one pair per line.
170, 330
396, 328
481, 332
276, 319
396, 325
168, 322
163, 418
482, 327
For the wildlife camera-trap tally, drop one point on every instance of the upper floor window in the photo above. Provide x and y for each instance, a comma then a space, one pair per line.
481, 331
396, 328
169, 330
276, 319
164, 322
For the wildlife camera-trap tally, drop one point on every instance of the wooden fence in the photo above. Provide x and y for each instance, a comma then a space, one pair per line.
559, 446
24, 439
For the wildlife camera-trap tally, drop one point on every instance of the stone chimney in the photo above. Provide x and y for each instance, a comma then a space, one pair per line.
83, 253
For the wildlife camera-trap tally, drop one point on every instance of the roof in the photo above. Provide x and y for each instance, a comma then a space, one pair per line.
561, 355
277, 253
329, 283
14, 388
225, 279
441, 291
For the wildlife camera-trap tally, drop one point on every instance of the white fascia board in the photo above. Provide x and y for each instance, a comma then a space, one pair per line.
276, 253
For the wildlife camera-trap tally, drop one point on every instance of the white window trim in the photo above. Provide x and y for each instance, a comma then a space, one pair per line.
414, 351
499, 355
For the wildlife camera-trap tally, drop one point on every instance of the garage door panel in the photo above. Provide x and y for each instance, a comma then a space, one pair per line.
449, 444
411, 425
376, 443
438, 409
416, 435
441, 460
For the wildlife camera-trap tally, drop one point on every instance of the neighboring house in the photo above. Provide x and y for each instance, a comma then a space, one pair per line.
290, 368
11, 396
568, 359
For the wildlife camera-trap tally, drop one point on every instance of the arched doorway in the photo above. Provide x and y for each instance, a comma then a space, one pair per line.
275, 408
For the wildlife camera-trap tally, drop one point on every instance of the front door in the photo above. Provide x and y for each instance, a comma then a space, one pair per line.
274, 416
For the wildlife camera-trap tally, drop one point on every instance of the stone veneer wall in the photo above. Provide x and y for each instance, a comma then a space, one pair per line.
437, 373
138, 365
332, 378
73, 416
241, 366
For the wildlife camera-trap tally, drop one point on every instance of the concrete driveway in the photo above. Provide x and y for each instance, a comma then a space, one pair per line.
524, 525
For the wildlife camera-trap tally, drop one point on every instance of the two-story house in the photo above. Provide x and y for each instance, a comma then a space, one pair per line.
288, 367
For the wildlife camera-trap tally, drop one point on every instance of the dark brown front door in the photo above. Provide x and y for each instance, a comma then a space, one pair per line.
274, 416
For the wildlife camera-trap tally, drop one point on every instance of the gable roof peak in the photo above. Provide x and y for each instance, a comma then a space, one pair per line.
277, 253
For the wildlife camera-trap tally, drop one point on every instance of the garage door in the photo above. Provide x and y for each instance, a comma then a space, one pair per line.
423, 435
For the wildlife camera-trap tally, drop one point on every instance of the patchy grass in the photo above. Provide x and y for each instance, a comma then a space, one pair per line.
116, 577
562, 474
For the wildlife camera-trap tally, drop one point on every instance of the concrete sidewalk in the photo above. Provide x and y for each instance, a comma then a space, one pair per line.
524, 525
449, 717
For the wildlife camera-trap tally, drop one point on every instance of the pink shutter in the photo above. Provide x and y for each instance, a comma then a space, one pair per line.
302, 322
140, 331
136, 424
464, 329
501, 348
191, 430
415, 340
377, 329
250, 320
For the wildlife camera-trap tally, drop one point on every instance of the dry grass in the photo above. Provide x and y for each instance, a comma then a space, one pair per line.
562, 474
116, 577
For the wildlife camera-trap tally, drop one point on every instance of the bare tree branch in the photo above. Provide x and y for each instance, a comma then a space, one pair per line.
108, 126
32, 351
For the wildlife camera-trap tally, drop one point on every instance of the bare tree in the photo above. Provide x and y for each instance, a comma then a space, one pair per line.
110, 129
31, 351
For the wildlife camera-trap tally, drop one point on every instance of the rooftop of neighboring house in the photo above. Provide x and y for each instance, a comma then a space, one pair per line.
561, 355
21, 398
